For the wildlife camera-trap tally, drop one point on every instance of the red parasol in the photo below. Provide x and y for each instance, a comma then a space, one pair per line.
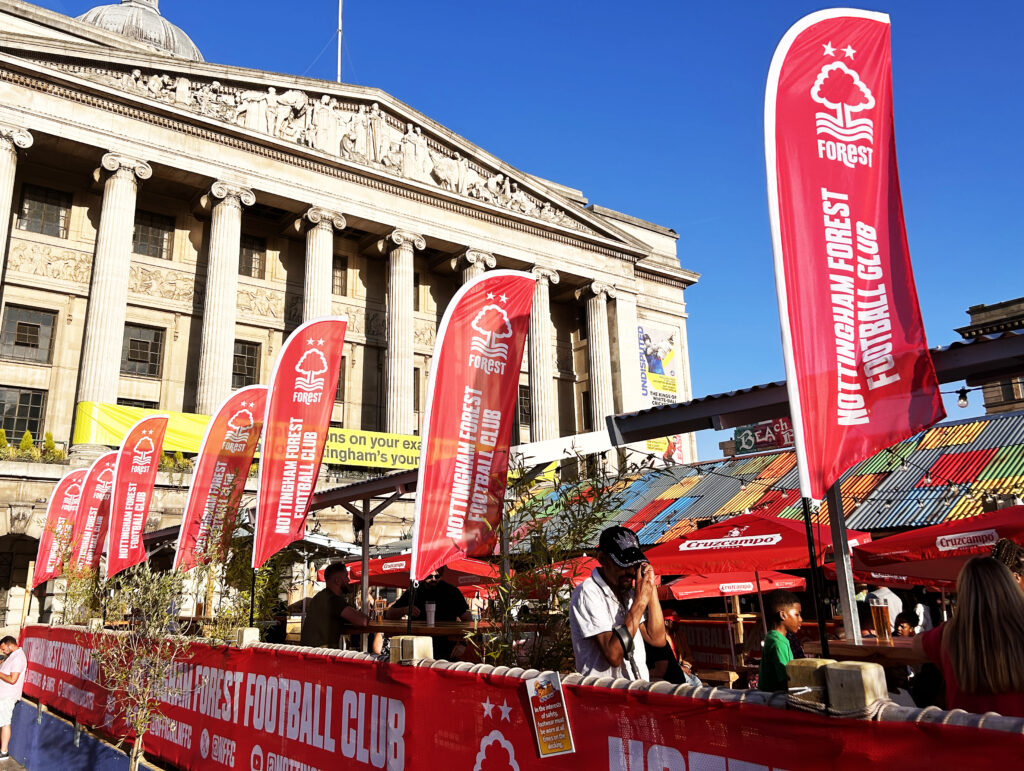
898, 580
939, 551
394, 571
749, 542
727, 585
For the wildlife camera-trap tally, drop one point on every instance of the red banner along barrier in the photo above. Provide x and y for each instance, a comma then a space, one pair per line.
57, 532
138, 460
471, 406
263, 708
222, 467
302, 389
857, 366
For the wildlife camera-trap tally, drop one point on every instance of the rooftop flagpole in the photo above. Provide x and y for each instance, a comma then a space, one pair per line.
339, 40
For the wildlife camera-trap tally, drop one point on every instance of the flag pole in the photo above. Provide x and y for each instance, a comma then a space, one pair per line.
815, 574
339, 40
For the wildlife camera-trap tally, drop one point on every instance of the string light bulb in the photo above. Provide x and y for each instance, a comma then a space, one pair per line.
927, 479
962, 398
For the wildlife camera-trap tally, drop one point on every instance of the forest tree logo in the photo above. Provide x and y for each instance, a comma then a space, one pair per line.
309, 385
142, 453
487, 352
104, 481
841, 90
71, 498
240, 426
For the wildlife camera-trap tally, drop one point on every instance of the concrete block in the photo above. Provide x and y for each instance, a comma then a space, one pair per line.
411, 647
808, 675
247, 636
853, 685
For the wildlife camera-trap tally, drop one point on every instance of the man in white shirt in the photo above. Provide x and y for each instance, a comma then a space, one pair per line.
12, 680
887, 596
615, 609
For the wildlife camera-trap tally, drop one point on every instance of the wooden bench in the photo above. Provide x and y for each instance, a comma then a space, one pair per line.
723, 678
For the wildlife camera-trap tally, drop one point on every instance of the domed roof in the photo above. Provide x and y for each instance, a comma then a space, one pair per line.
141, 20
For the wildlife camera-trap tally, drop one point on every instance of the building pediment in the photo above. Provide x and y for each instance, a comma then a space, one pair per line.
363, 128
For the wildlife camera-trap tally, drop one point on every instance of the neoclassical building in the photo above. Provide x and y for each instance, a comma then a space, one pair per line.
167, 221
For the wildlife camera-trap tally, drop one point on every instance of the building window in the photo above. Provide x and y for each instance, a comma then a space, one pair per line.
27, 334
339, 276
142, 352
154, 235
339, 394
416, 389
138, 403
44, 211
22, 410
416, 292
524, 405
246, 368
252, 258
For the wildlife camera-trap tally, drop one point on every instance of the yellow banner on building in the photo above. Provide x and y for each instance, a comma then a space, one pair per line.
98, 423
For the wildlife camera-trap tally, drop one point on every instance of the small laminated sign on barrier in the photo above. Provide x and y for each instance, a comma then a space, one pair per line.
550, 718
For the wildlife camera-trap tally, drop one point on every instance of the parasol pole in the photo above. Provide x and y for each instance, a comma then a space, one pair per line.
364, 580
760, 601
732, 635
815, 577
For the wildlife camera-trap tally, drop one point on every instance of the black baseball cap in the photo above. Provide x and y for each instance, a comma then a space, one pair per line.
622, 546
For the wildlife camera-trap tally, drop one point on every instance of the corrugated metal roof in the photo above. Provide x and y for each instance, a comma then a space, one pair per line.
1007, 462
782, 465
947, 435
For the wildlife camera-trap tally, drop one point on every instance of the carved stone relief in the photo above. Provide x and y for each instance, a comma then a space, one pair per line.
376, 326
424, 333
257, 301
165, 284
355, 132
356, 317
43, 260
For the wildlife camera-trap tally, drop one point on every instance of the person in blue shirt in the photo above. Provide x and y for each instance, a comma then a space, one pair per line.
784, 616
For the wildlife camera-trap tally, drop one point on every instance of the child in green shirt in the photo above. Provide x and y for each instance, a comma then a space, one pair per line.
783, 609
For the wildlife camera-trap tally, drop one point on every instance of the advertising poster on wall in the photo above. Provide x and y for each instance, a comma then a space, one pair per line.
660, 382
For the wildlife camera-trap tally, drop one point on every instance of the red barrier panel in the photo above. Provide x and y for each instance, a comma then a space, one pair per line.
261, 709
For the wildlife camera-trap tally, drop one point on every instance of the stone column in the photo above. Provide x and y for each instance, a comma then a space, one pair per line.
543, 404
317, 288
398, 367
217, 345
108, 292
11, 138
626, 351
599, 360
473, 263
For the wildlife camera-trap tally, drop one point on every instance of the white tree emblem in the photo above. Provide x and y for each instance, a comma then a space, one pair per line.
839, 88
493, 324
312, 364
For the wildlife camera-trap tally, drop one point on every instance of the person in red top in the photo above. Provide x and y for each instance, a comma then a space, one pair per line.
981, 648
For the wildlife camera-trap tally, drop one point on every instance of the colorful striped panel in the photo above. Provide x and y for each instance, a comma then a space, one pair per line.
647, 513
1007, 463
959, 467
947, 436
779, 467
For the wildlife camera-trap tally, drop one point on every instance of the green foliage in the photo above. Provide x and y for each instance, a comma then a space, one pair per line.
181, 463
3, 439
562, 521
135, 661
166, 462
27, 449
51, 453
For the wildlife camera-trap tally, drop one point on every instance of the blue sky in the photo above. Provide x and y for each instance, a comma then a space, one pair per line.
656, 109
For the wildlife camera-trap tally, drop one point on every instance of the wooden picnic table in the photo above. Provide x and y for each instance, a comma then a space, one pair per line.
898, 652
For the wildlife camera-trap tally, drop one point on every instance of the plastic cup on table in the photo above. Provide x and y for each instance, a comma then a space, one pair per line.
431, 612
